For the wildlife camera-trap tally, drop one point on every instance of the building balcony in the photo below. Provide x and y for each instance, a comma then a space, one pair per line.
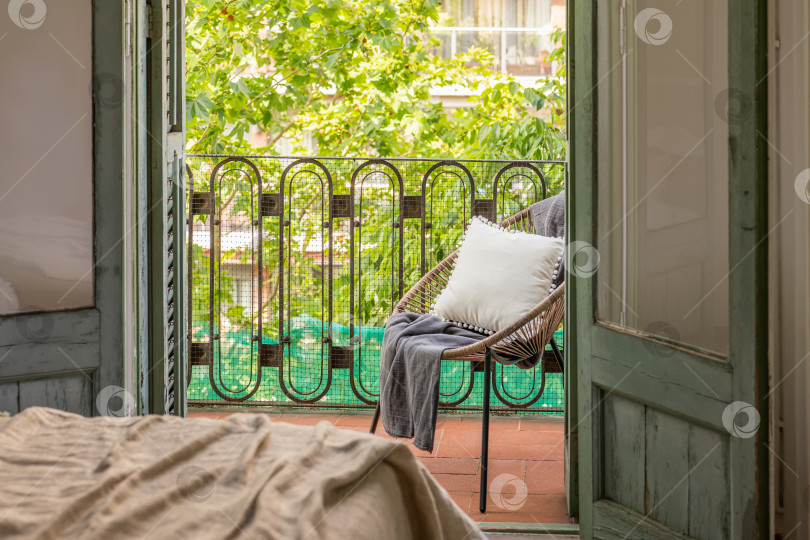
295, 264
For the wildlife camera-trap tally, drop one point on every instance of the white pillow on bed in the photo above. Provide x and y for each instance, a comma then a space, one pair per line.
498, 277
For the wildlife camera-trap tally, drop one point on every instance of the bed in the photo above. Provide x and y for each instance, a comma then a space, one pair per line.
67, 476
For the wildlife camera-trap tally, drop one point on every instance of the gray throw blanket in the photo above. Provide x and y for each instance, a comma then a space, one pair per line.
548, 216
412, 347
410, 370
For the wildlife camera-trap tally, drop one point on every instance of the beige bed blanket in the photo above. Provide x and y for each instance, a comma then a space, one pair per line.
65, 476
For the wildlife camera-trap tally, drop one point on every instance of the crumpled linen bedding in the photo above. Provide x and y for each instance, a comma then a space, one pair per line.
66, 476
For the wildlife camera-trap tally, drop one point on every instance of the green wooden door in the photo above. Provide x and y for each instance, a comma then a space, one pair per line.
120, 350
167, 374
76, 356
667, 268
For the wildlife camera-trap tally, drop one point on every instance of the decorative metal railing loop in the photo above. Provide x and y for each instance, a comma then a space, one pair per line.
212, 204
295, 263
300, 171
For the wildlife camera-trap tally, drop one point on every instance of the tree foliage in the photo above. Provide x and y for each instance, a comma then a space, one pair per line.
356, 76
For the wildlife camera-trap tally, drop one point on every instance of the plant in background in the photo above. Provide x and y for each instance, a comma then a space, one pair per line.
355, 77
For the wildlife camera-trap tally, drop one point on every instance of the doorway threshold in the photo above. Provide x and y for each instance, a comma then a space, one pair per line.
515, 531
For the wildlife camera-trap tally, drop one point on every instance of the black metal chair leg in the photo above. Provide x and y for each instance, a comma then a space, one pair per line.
485, 431
557, 354
375, 419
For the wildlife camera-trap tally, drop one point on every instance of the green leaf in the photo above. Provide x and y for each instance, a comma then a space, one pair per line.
237, 49
243, 88
199, 107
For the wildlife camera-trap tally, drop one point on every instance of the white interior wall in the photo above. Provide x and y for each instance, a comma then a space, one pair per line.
789, 140
46, 181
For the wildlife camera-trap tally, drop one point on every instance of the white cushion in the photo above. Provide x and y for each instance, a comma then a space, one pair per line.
498, 276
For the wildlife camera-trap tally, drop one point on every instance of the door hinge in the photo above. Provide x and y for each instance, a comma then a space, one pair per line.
173, 149
149, 27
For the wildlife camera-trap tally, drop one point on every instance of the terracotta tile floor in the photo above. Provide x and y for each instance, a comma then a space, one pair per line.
525, 461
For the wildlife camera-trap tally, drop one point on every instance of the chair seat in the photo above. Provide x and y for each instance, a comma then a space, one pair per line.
524, 340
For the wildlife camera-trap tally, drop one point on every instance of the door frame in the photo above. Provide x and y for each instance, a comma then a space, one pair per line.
748, 243
574, 350
164, 223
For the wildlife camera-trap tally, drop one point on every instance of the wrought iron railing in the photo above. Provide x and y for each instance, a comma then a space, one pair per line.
295, 263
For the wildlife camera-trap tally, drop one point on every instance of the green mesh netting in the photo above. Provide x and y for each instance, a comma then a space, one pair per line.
277, 246
305, 371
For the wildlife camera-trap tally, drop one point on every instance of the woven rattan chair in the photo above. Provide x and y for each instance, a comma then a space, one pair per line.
525, 339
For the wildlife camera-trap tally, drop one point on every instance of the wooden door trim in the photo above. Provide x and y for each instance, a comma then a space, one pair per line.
697, 405
748, 242
619, 522
166, 270
109, 180
663, 345
579, 225
47, 344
